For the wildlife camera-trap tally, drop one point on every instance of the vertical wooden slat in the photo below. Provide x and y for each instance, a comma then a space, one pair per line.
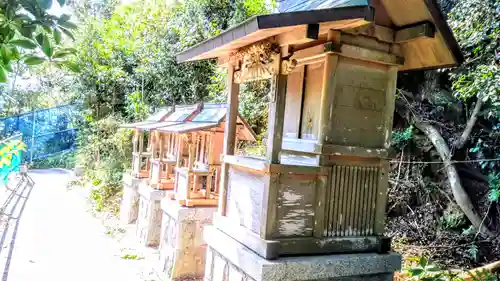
345, 200
229, 135
365, 193
383, 183
321, 208
371, 199
276, 118
390, 100
269, 206
349, 201
356, 201
335, 198
340, 203
330, 203
327, 97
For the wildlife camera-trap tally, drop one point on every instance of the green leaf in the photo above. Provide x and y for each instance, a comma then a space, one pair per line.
57, 36
61, 2
68, 24
47, 48
45, 4
423, 262
68, 33
6, 54
24, 43
39, 39
34, 60
63, 18
61, 54
8, 67
415, 271
3, 75
70, 65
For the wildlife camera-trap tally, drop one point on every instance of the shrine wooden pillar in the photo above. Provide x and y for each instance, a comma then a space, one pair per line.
229, 134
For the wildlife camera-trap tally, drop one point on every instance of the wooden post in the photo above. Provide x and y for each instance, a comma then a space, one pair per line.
328, 91
179, 152
192, 142
390, 100
276, 118
229, 134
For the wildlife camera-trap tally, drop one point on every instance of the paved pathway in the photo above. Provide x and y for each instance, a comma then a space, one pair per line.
55, 238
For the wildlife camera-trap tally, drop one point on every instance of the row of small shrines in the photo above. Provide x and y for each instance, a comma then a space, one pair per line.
314, 207
182, 152
176, 165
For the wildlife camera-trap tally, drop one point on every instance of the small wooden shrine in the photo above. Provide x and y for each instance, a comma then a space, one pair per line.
322, 187
197, 178
168, 149
141, 153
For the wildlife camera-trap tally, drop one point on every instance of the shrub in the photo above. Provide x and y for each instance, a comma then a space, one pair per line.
104, 152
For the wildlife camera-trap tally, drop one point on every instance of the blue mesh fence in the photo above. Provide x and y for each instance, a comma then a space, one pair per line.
46, 132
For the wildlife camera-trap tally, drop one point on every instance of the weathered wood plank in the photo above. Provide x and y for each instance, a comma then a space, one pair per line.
276, 118
381, 200
296, 205
327, 97
229, 135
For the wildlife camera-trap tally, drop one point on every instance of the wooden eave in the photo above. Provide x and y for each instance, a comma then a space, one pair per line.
261, 27
439, 50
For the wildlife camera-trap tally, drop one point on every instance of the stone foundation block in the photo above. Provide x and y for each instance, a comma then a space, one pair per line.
129, 207
150, 215
228, 260
182, 247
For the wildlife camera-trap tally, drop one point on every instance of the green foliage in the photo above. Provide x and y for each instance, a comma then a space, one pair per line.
483, 275
494, 183
128, 51
476, 24
422, 269
65, 160
26, 28
452, 219
401, 137
104, 153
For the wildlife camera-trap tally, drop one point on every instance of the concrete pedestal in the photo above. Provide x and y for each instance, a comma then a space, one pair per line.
149, 219
129, 207
182, 248
230, 260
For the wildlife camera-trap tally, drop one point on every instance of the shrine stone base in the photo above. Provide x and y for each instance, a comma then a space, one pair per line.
129, 207
149, 219
182, 248
227, 259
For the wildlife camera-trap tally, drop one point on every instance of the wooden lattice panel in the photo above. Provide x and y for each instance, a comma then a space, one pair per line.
351, 201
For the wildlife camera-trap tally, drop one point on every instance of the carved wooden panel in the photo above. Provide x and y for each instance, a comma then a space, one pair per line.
351, 199
244, 198
359, 106
295, 205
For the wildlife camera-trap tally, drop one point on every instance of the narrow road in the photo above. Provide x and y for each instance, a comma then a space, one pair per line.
48, 234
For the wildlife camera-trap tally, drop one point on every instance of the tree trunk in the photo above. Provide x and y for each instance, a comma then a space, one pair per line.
459, 193
470, 125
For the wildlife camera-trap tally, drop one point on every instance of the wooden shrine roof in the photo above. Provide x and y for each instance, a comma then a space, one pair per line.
436, 51
166, 117
211, 116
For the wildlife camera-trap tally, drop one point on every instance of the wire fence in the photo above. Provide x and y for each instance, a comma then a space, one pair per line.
45, 132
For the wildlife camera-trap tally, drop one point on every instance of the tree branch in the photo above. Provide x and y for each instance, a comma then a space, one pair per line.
470, 125
459, 194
